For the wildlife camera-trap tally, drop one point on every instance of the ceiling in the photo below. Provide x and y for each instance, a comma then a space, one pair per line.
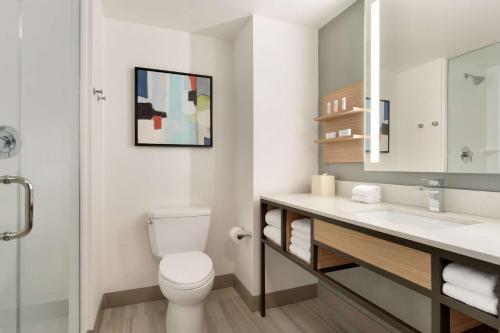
222, 18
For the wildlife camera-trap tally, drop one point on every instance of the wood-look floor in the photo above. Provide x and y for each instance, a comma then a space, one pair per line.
226, 312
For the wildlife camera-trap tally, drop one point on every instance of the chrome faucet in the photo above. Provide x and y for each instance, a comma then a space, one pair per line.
435, 189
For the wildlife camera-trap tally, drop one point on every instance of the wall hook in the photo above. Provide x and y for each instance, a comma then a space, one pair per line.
99, 93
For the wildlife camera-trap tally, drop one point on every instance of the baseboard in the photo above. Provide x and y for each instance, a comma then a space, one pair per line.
146, 294
223, 281
132, 296
251, 301
153, 293
98, 318
277, 298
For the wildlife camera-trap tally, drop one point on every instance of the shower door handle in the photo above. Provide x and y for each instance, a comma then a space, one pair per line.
28, 206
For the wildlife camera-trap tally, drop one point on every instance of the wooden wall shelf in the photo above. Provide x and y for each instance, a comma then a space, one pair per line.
341, 139
346, 149
339, 114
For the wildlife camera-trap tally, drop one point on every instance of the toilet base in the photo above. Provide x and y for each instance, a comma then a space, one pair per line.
186, 318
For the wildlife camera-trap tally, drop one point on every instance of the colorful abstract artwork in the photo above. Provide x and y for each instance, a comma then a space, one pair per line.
172, 109
385, 112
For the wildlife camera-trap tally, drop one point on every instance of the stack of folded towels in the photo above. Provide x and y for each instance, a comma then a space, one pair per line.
369, 194
273, 228
300, 241
472, 287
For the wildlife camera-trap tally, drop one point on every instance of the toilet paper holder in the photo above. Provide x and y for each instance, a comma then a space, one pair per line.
238, 233
245, 234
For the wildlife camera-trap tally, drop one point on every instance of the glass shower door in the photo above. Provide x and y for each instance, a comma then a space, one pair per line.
39, 166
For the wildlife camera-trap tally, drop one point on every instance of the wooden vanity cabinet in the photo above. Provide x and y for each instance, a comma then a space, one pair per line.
338, 245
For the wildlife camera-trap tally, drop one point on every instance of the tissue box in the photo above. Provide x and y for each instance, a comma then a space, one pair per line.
323, 185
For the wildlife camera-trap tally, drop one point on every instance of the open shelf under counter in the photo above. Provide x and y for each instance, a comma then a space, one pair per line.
340, 114
342, 139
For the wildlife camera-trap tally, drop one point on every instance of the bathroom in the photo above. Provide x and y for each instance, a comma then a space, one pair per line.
218, 166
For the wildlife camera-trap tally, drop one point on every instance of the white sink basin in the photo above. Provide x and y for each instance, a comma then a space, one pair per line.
403, 221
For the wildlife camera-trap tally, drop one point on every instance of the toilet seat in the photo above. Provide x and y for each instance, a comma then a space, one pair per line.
186, 270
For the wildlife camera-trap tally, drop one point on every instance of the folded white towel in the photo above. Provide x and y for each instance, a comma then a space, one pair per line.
366, 189
303, 225
305, 236
273, 234
487, 304
301, 243
304, 255
368, 195
471, 279
368, 200
273, 217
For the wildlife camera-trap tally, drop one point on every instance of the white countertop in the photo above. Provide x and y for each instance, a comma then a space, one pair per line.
477, 237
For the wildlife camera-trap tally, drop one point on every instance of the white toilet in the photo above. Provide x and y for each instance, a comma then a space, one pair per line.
179, 236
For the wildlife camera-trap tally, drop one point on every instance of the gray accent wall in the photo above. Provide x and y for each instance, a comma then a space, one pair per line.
341, 57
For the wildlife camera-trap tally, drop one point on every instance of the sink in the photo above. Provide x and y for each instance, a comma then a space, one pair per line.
404, 221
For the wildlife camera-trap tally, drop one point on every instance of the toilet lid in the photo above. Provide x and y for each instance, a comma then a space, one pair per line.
186, 269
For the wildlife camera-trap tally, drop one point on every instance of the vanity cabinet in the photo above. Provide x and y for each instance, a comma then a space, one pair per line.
339, 245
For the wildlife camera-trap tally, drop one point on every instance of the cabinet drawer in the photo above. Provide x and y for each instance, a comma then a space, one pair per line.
405, 262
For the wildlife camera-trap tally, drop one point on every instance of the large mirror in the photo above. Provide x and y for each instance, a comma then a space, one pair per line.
434, 67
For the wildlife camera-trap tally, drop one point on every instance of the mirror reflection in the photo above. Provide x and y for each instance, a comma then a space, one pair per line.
443, 88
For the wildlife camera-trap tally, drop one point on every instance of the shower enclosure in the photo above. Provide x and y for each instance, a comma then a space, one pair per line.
39, 166
474, 111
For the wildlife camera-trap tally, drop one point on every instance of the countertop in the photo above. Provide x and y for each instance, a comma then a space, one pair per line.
475, 236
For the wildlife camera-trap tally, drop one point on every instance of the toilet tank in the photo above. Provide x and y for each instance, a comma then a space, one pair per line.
182, 229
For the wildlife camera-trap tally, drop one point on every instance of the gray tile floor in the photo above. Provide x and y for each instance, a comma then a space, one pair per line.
225, 312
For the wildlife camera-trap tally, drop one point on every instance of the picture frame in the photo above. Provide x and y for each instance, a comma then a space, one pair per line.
173, 109
385, 123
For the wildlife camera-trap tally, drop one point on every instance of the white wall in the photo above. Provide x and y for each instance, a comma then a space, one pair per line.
244, 265
276, 80
285, 104
417, 95
137, 179
92, 166
254, 83
422, 99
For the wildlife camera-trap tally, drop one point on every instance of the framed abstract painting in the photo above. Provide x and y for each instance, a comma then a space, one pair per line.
385, 122
173, 109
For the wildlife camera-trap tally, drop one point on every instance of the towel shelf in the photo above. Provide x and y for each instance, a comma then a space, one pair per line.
471, 312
